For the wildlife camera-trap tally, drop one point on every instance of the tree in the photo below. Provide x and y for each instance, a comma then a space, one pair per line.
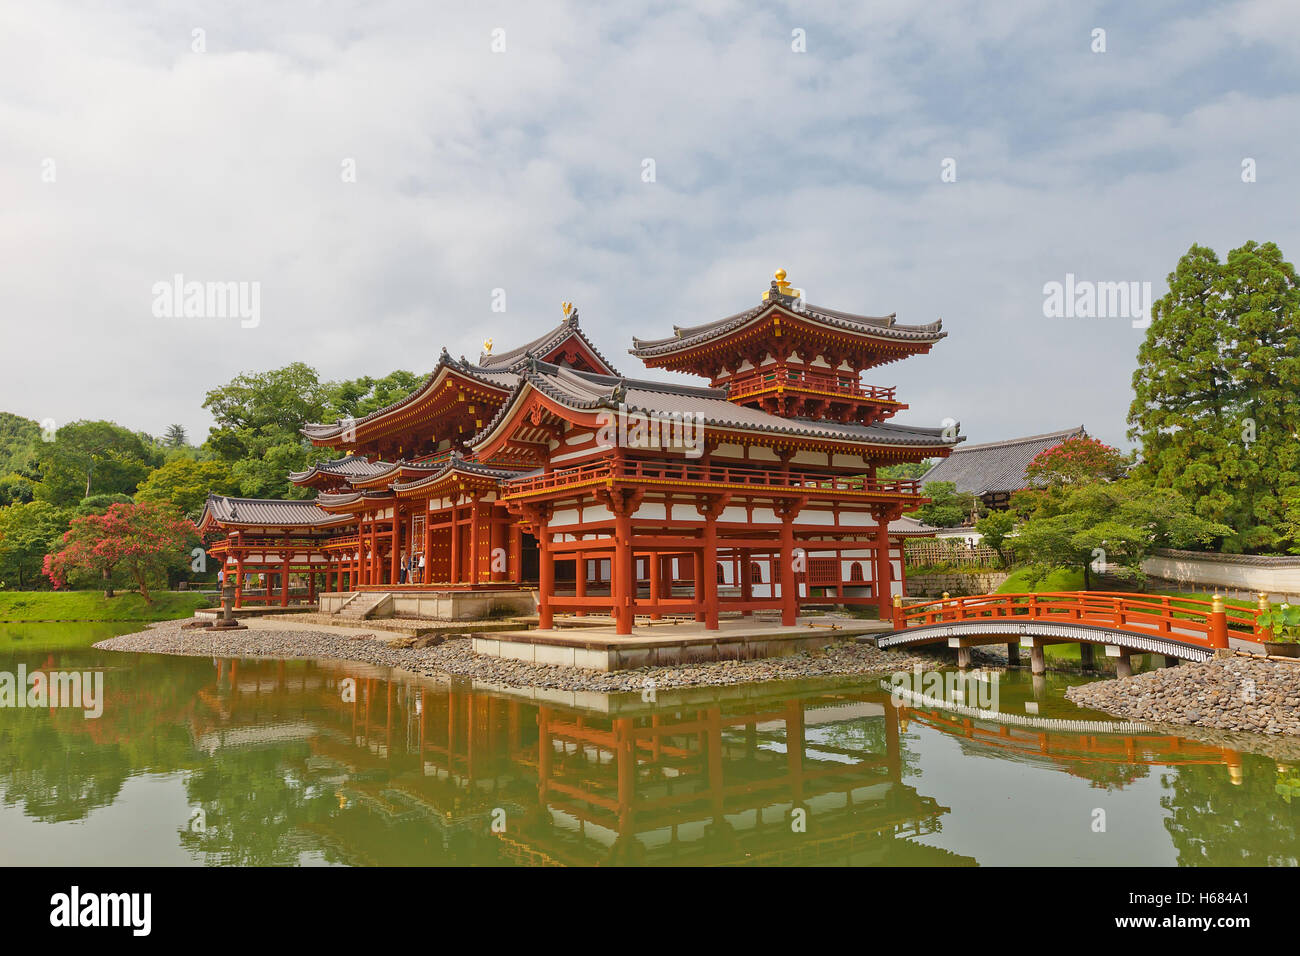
143, 541
947, 507
358, 397
18, 439
257, 421
27, 532
906, 469
185, 483
1074, 461
88, 456
175, 436
16, 489
1113, 523
995, 527
1215, 398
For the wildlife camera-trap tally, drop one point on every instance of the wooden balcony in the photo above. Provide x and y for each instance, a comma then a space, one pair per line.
830, 383
720, 477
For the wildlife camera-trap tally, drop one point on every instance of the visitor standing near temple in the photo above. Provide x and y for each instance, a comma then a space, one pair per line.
404, 570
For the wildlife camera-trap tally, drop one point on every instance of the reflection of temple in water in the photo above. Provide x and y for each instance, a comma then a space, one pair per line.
718, 777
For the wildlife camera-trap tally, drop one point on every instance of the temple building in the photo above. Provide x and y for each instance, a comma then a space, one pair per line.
545, 474
994, 471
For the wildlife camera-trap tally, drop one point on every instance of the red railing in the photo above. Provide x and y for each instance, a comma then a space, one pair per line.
1183, 619
846, 384
678, 471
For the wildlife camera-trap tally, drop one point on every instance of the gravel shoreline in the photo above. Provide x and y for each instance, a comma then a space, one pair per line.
1231, 693
456, 657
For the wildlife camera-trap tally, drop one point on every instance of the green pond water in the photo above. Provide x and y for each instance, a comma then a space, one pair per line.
202, 761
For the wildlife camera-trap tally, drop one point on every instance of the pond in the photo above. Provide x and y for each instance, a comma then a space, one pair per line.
208, 762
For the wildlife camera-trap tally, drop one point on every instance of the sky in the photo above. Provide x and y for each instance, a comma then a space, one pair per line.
379, 170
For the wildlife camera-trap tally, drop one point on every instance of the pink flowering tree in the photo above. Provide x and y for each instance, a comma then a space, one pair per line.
141, 541
1076, 461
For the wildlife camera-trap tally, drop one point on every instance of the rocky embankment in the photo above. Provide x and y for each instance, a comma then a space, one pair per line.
455, 656
1231, 693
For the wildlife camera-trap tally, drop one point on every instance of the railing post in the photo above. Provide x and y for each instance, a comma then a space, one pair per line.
943, 608
1262, 607
1218, 622
899, 622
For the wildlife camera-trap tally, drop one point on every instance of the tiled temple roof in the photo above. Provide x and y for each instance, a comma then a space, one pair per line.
585, 390
268, 512
498, 378
884, 327
459, 465
516, 358
349, 467
995, 466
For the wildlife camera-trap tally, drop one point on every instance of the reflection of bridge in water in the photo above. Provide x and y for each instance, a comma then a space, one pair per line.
1123, 623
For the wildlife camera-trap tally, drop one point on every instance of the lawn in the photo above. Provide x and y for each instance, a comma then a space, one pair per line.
93, 606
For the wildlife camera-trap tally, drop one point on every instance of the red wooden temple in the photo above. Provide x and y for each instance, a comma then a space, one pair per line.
544, 469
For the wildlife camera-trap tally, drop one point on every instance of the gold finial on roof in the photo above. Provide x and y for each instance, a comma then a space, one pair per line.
779, 285
487, 346
567, 307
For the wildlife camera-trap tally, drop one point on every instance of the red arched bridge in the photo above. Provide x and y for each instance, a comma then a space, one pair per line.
1123, 623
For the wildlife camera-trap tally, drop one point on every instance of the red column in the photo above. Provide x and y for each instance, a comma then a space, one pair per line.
284, 584
239, 580
656, 567
709, 560
697, 561
623, 583
454, 576
789, 598
746, 581
496, 545
580, 580
428, 545
516, 553
395, 559
474, 519
545, 575
884, 599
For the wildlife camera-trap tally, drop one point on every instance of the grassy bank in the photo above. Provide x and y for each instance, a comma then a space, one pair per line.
93, 606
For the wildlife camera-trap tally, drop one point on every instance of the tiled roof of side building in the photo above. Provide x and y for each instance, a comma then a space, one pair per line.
501, 379
584, 390
460, 465
516, 358
269, 512
883, 326
349, 466
996, 466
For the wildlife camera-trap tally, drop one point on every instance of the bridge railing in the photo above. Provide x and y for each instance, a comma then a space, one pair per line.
1192, 620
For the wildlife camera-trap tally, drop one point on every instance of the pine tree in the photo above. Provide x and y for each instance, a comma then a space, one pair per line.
1211, 400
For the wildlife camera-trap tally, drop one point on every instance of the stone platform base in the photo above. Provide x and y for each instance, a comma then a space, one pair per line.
462, 605
600, 649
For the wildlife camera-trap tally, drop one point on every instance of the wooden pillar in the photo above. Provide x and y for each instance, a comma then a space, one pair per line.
311, 584
516, 553
1085, 656
580, 580
656, 570
746, 579
697, 570
395, 559
454, 576
1038, 658
239, 579
284, 583
496, 547
623, 585
789, 599
473, 540
884, 593
709, 561
545, 575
